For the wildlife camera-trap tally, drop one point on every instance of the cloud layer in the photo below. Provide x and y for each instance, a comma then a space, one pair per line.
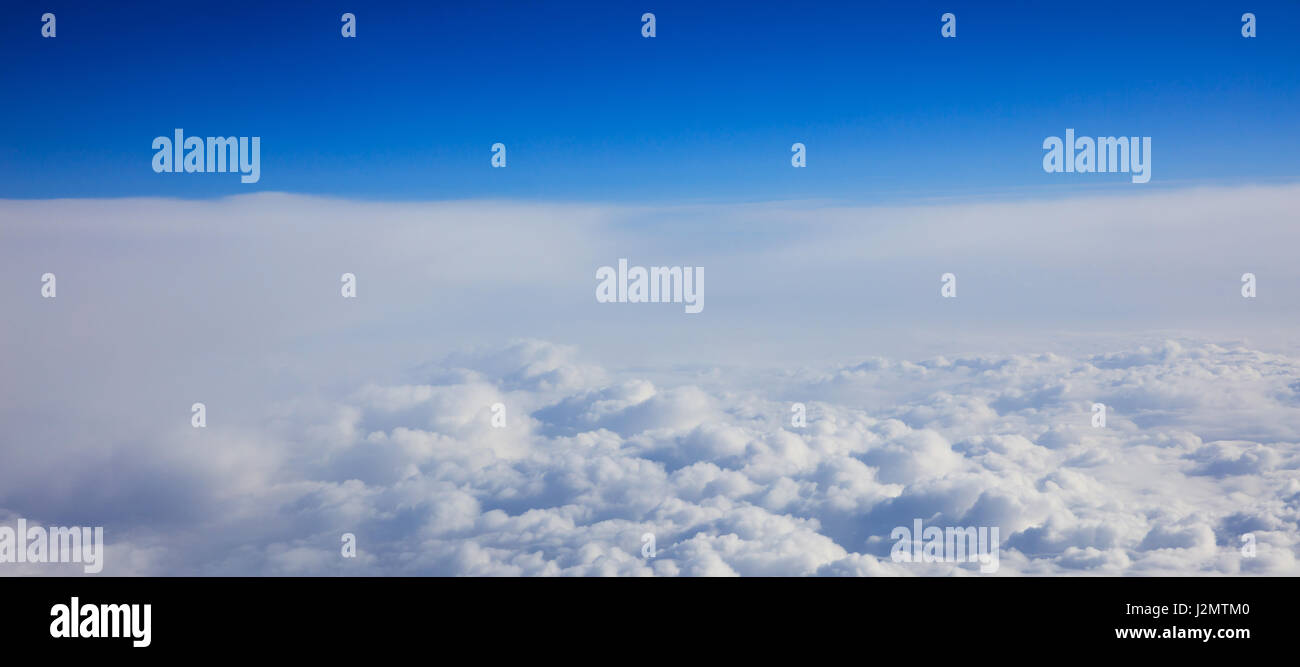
1199, 449
373, 416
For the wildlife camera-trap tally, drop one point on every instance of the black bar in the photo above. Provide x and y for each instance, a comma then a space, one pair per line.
944, 618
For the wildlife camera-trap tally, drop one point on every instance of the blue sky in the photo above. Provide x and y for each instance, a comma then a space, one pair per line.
591, 111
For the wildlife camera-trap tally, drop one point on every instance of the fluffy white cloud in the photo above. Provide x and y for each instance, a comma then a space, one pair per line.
322, 421
591, 460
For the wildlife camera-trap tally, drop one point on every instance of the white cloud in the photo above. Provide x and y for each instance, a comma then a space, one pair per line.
325, 418
725, 485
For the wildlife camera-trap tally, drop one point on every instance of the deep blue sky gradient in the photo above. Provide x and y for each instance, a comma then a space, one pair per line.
591, 111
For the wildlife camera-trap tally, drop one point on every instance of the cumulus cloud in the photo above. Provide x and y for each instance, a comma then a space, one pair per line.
374, 417
591, 460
